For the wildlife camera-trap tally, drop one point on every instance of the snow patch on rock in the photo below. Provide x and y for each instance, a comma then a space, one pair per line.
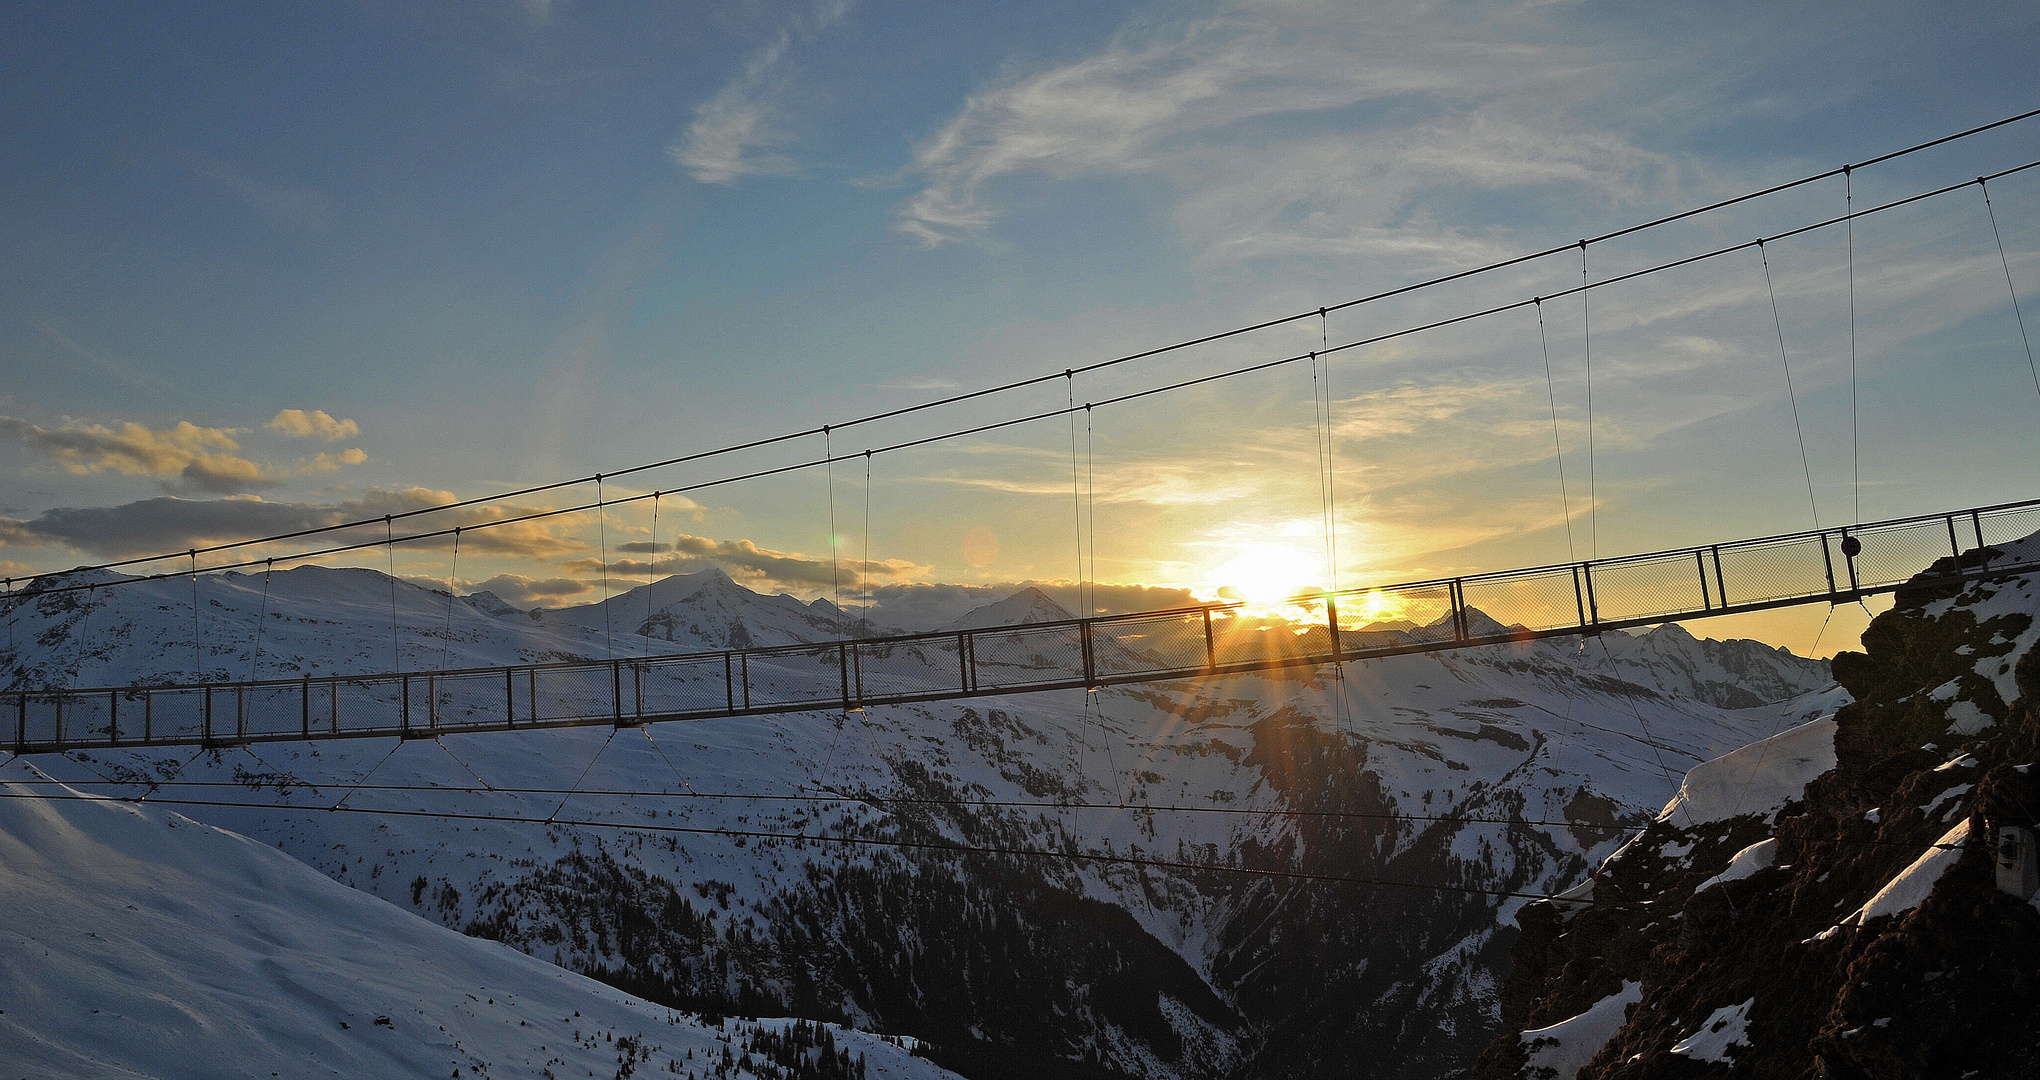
1565, 1047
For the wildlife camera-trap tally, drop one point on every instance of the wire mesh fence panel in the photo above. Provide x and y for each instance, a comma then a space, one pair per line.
1646, 588
695, 684
1893, 554
130, 715
1024, 656
583, 691
1546, 600
1244, 638
1163, 643
931, 665
1419, 614
469, 699
2005, 526
88, 717
370, 705
173, 715
39, 719
811, 675
1775, 570
274, 709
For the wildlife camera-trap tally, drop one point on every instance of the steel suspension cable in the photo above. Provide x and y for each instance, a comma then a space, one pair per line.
2009, 287
1587, 344
652, 579
835, 573
396, 648
1855, 439
1557, 447
1791, 395
262, 616
864, 622
602, 537
197, 664
1076, 495
452, 577
84, 634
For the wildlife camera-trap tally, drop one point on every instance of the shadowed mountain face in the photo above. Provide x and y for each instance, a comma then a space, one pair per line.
1304, 865
1823, 903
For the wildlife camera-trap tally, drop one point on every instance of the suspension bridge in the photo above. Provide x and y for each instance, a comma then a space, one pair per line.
1832, 566
1583, 598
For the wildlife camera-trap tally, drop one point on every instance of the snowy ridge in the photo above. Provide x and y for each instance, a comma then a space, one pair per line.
141, 943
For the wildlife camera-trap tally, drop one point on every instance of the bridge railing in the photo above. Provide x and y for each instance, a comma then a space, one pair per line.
1832, 565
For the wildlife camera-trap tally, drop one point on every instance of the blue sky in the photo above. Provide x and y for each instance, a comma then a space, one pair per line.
367, 253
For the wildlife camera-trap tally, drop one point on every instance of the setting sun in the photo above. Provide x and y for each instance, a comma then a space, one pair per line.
1267, 573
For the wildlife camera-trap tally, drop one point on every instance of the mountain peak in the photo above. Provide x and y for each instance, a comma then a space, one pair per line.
1029, 605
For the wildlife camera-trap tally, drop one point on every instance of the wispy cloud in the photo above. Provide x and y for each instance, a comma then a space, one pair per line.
1249, 115
742, 130
285, 206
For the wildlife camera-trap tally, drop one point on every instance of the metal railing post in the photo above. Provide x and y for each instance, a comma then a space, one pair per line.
240, 712
843, 672
963, 663
729, 682
148, 716
1579, 596
113, 717
1827, 559
616, 690
1700, 560
404, 709
1090, 662
1458, 601
1720, 583
1211, 646
509, 697
1593, 606
206, 721
1954, 545
305, 707
744, 671
58, 701
1982, 549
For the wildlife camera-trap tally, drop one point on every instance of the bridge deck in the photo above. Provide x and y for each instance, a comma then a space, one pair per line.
1826, 566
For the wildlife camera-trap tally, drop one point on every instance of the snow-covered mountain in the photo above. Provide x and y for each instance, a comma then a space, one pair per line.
1029, 605
141, 943
1832, 901
1259, 919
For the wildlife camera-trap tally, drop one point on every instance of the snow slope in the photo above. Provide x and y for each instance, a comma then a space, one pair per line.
141, 943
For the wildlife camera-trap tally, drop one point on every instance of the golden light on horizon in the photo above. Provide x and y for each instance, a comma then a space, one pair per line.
1264, 574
